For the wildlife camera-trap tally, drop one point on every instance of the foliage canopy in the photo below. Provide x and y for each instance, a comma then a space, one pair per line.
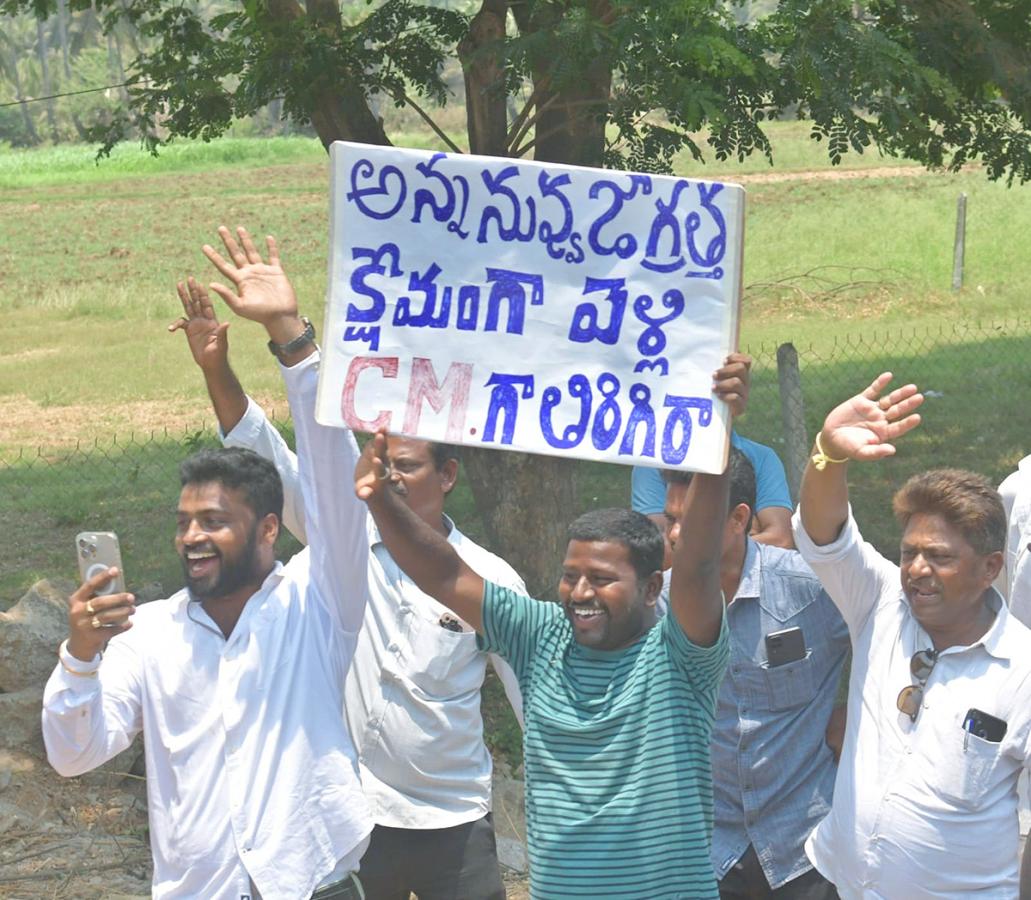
617, 82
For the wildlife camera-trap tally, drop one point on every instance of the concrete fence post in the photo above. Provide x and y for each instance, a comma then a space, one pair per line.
792, 415
959, 247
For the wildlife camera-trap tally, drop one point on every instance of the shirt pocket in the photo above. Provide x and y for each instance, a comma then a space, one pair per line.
444, 663
791, 684
966, 771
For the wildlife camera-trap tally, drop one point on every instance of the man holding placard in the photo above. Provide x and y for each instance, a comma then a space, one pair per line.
618, 707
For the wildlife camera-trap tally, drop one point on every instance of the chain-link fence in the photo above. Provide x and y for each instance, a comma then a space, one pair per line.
976, 377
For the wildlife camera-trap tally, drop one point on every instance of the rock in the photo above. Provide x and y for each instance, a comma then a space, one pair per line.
30, 632
509, 818
512, 854
20, 713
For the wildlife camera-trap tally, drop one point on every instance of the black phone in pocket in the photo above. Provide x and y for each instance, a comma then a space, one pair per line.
985, 726
784, 647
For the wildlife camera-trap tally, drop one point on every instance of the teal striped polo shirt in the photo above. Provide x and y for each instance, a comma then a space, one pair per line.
616, 745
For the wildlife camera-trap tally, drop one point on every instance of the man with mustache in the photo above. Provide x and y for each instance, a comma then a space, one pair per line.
412, 694
236, 681
939, 704
618, 705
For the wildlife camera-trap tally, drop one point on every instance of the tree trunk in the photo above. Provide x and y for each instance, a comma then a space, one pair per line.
114, 63
62, 36
570, 127
486, 110
340, 112
12, 67
43, 51
525, 501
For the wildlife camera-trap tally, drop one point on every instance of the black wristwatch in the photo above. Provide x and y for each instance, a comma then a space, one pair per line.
305, 337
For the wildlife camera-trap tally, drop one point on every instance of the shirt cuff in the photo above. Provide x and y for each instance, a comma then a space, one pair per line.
75, 671
831, 552
298, 369
245, 433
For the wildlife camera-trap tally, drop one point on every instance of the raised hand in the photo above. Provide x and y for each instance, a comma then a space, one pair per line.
93, 620
205, 335
372, 472
731, 382
261, 291
864, 427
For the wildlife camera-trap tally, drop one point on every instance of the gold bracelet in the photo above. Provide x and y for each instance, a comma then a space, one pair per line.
820, 459
72, 671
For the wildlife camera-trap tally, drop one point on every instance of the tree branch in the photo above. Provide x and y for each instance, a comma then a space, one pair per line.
532, 120
436, 128
533, 100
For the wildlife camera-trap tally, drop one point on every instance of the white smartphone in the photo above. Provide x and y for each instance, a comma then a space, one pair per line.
97, 551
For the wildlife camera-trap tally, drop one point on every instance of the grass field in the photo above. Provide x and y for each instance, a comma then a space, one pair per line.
854, 270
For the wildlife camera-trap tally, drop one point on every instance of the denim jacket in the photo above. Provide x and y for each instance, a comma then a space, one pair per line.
773, 775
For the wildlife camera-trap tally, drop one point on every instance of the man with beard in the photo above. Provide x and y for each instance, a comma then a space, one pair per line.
412, 695
939, 703
618, 707
237, 680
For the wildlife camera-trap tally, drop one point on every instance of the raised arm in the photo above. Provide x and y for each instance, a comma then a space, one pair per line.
423, 554
861, 428
772, 526
243, 423
209, 345
334, 519
695, 597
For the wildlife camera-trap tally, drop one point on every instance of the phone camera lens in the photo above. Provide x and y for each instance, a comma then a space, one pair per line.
82, 543
92, 549
83, 553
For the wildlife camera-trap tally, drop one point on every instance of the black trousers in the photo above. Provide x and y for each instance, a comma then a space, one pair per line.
746, 881
459, 863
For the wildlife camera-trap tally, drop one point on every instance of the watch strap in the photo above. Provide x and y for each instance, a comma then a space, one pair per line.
305, 337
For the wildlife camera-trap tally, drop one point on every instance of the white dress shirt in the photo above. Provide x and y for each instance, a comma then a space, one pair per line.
412, 698
924, 809
1014, 581
251, 773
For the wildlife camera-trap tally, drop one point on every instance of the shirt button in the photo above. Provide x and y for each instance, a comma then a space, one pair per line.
392, 647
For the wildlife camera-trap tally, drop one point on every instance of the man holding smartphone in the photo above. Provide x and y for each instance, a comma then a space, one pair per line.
237, 680
939, 706
773, 773
412, 695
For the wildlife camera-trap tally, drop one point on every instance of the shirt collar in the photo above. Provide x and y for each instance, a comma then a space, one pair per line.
197, 613
1002, 639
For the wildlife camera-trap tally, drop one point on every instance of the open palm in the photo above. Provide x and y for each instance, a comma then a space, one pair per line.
262, 292
864, 427
205, 335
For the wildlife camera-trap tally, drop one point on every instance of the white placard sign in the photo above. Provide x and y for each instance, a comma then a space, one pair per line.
530, 306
